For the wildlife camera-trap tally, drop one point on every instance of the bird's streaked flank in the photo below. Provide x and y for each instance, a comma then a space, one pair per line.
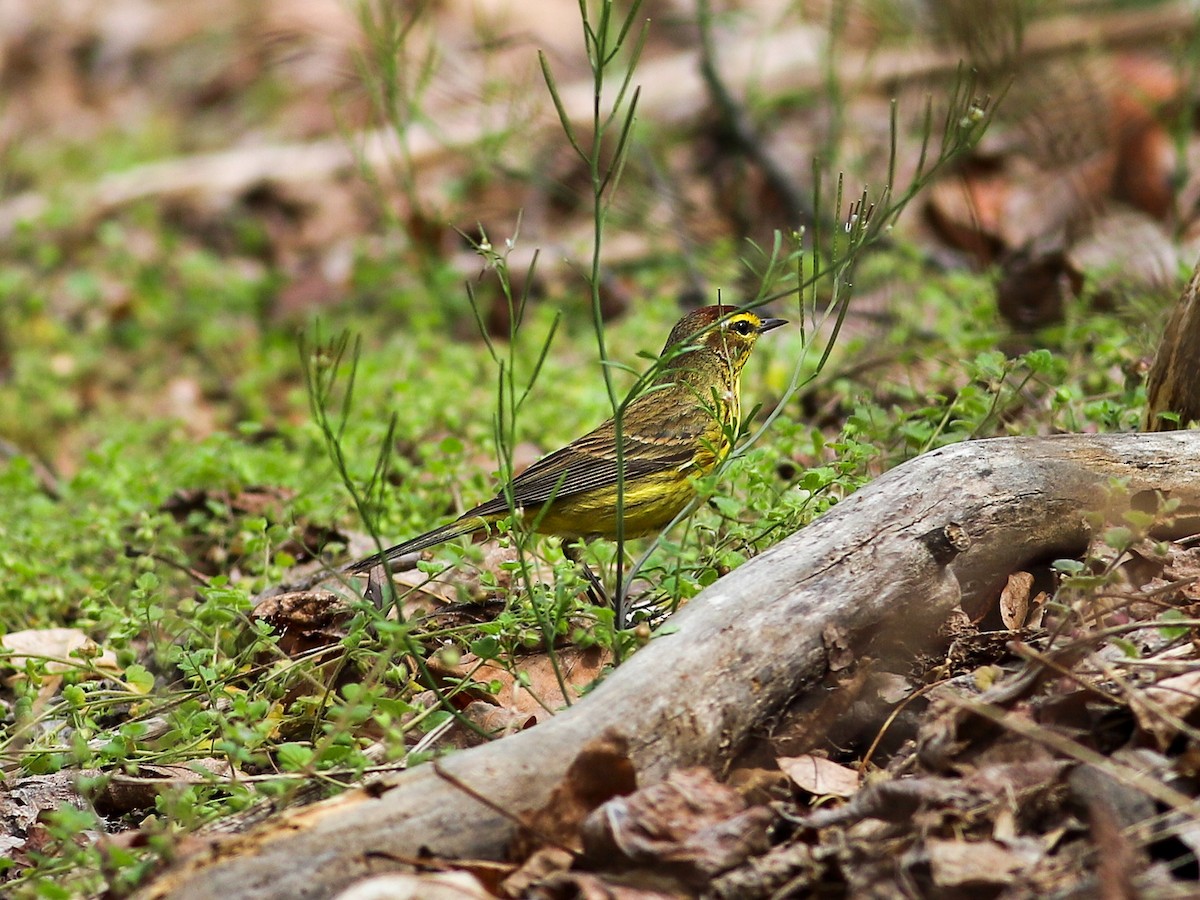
680, 428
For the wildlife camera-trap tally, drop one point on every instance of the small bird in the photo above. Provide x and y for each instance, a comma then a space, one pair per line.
680, 428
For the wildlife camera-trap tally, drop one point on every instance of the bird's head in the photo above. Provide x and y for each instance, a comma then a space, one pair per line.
722, 334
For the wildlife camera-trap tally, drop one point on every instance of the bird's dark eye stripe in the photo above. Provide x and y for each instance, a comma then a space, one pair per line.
742, 326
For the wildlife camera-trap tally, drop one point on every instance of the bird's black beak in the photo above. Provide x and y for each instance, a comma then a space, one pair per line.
768, 324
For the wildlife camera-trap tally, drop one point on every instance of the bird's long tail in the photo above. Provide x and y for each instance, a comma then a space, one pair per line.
465, 525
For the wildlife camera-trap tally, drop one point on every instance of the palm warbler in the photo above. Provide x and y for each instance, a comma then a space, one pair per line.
683, 426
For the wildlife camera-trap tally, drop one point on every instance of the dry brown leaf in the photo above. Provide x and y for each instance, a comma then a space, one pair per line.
689, 826
1035, 287
495, 721
837, 646
967, 209
601, 771
270, 502
1037, 611
965, 864
305, 620
541, 866
1126, 252
1184, 565
1146, 151
535, 690
891, 800
891, 687
820, 776
122, 794
24, 801
527, 695
57, 645
1177, 696
1143, 564
1014, 600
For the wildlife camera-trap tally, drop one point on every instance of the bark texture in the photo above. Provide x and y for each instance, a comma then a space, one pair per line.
1173, 385
942, 529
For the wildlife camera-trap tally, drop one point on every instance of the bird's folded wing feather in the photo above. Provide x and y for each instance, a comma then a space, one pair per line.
591, 462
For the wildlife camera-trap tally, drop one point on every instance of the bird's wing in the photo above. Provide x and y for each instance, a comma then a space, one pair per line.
590, 462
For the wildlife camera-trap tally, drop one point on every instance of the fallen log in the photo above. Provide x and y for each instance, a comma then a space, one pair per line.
1173, 383
896, 557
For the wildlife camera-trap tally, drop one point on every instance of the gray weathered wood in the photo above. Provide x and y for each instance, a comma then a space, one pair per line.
1173, 383
738, 654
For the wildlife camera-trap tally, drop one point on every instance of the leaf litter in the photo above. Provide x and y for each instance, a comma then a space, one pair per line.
1051, 759
1051, 748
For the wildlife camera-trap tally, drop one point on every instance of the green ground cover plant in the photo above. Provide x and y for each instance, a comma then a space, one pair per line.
172, 448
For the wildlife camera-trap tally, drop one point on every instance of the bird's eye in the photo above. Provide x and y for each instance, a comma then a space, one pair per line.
742, 327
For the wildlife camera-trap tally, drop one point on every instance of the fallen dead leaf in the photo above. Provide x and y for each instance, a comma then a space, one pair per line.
891, 687
1037, 610
890, 800
965, 864
1177, 696
820, 776
689, 826
23, 801
57, 645
305, 620
542, 866
534, 688
601, 771
495, 721
122, 794
837, 646
1035, 288
1014, 600
1126, 253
